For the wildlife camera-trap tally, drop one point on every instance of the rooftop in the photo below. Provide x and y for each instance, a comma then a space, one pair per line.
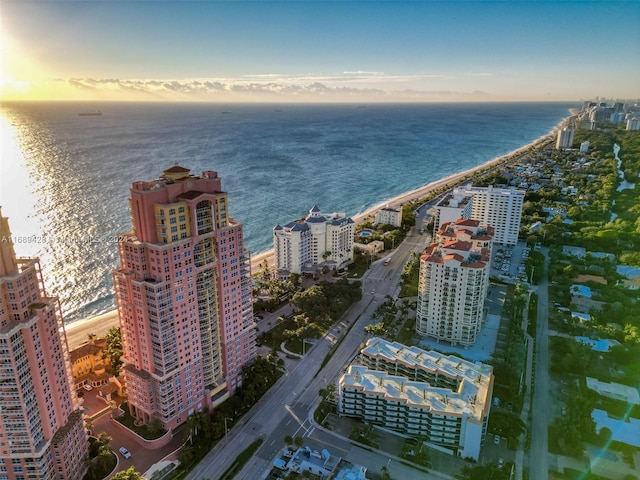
439, 400
476, 378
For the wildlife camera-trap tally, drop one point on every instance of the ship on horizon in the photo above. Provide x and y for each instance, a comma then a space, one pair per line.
90, 113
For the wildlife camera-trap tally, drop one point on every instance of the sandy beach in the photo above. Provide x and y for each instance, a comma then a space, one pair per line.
77, 331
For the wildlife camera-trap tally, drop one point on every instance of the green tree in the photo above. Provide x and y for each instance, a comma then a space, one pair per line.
488, 471
631, 334
129, 474
155, 426
377, 329
104, 458
194, 422
187, 455
384, 473
114, 349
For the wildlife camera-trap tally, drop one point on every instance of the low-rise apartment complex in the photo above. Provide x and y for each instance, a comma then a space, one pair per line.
389, 216
424, 393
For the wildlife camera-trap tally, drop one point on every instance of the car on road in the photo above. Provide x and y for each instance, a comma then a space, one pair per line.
125, 453
87, 387
496, 439
500, 462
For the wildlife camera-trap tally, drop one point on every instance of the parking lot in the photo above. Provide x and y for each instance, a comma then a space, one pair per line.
508, 262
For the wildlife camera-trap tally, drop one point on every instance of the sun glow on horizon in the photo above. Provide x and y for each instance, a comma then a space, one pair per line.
23, 78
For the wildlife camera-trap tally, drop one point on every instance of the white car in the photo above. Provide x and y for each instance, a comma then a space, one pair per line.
125, 453
496, 439
87, 387
500, 463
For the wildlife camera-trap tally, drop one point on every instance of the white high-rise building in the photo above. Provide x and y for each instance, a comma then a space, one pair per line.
565, 138
584, 147
389, 216
453, 282
453, 206
499, 207
443, 398
320, 239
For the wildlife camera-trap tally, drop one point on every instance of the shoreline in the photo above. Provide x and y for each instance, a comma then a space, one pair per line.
101, 323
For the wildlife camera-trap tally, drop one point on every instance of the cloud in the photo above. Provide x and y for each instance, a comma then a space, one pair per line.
350, 85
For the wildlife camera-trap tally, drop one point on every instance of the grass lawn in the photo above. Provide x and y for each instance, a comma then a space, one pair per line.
406, 334
359, 266
241, 460
128, 421
274, 337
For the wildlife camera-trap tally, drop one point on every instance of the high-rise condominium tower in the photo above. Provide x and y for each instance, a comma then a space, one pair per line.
453, 282
183, 292
500, 207
42, 433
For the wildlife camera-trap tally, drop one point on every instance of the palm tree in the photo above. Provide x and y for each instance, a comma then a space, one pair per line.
298, 441
288, 440
104, 458
194, 422
154, 426
187, 455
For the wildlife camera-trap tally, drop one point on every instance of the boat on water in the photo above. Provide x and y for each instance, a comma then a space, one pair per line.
90, 113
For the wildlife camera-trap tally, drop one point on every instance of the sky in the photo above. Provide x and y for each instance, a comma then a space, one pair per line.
336, 51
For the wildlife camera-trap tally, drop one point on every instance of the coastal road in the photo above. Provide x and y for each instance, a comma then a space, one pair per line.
285, 408
538, 453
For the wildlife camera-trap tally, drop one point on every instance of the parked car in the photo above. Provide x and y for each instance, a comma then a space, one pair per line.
500, 462
496, 439
125, 453
87, 387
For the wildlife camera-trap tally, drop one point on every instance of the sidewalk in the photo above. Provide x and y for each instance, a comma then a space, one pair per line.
528, 380
386, 454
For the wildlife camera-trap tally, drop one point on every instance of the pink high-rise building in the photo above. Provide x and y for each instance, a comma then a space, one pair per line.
42, 432
183, 292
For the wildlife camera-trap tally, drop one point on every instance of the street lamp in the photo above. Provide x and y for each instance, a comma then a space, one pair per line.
226, 430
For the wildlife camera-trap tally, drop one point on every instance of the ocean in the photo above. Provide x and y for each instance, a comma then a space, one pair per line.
65, 178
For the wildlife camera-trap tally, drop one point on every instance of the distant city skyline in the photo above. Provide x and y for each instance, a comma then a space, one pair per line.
319, 51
